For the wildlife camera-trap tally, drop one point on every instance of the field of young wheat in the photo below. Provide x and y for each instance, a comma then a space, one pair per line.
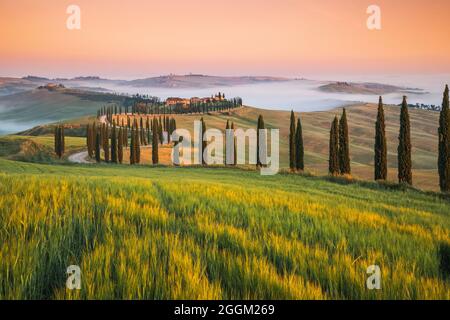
197, 233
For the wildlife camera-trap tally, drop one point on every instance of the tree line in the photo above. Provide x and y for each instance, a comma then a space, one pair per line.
155, 107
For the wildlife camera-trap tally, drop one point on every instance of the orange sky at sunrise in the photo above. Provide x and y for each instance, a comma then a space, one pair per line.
225, 37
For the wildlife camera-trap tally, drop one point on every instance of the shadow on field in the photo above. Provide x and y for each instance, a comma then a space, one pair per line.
444, 256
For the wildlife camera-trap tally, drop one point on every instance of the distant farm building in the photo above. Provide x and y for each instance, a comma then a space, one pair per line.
185, 103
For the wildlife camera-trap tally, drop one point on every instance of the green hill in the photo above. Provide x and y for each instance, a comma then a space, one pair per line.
201, 233
25, 110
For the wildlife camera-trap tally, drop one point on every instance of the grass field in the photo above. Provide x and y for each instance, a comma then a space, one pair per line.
201, 233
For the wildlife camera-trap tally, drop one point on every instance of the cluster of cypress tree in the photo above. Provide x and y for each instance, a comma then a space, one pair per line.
296, 147
444, 144
59, 141
135, 146
339, 152
145, 126
99, 137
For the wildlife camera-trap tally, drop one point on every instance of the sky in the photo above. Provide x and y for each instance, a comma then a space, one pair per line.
138, 38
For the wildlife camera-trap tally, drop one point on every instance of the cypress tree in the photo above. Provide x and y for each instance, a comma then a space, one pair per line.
155, 158
444, 144
235, 147
106, 143
344, 147
299, 148
97, 146
120, 146
160, 131
404, 146
125, 137
59, 141
260, 126
204, 143
380, 144
333, 163
132, 148
227, 127
292, 142
137, 145
63, 141
56, 140
114, 145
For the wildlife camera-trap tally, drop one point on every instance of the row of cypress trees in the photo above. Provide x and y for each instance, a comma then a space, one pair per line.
59, 141
339, 151
404, 145
296, 147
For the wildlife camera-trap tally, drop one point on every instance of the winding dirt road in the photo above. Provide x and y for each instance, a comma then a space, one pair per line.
79, 157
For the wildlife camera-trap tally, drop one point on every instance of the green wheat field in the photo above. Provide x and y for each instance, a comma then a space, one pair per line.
215, 233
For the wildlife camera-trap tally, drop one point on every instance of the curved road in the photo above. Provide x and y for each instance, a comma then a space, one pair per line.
80, 157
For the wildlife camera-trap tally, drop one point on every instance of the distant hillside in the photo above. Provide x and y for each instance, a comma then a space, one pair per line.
200, 81
25, 110
363, 88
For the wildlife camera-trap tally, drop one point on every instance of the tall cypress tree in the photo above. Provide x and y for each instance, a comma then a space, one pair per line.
299, 148
333, 162
444, 144
63, 141
97, 146
344, 147
56, 140
120, 146
227, 127
132, 147
155, 157
235, 146
59, 141
114, 144
404, 146
204, 143
380, 144
260, 126
137, 146
106, 143
292, 134
160, 131
125, 137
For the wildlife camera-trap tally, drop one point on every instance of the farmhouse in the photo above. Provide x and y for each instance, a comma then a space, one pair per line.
174, 101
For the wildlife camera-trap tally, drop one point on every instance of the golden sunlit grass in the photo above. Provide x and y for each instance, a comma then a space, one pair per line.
198, 233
